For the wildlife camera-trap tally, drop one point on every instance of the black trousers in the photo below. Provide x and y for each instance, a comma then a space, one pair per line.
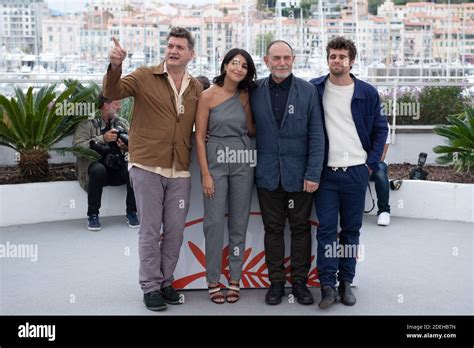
100, 176
276, 206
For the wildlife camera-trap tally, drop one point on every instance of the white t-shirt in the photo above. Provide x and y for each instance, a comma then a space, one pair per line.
345, 148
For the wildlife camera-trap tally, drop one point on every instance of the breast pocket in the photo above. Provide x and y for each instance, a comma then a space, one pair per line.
299, 122
189, 106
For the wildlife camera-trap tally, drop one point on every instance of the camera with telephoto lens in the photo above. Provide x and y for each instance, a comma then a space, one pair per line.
101, 149
122, 135
111, 155
416, 174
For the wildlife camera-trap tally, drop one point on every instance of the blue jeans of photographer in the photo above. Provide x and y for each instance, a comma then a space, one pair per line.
382, 188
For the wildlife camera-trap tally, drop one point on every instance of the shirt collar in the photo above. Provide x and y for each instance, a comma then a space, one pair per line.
165, 72
285, 84
358, 88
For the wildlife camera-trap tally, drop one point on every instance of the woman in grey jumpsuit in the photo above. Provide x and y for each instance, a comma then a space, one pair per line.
227, 164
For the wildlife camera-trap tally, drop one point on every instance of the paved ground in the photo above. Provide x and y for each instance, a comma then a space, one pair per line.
412, 267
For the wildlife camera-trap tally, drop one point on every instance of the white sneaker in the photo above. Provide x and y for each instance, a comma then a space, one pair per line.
384, 219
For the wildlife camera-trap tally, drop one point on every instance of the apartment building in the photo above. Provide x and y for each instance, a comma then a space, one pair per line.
61, 35
20, 24
94, 37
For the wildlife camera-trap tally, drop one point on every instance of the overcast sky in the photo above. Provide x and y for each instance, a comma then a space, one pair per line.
78, 5
66, 6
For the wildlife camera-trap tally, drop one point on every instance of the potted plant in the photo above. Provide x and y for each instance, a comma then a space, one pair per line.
31, 125
459, 132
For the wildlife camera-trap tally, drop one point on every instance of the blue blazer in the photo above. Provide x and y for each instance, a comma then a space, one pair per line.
295, 151
371, 125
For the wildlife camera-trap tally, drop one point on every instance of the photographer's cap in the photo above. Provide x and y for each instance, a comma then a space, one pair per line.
101, 100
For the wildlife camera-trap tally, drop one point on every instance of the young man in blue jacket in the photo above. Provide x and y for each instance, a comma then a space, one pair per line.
355, 138
290, 150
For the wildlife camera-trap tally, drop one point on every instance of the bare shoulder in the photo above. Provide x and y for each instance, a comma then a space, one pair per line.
207, 95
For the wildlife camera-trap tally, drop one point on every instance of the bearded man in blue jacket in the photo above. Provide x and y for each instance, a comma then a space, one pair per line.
355, 137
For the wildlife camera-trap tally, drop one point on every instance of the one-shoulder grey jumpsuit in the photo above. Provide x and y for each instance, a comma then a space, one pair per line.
233, 181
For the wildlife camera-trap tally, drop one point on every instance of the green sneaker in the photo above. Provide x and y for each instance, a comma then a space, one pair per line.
154, 301
170, 295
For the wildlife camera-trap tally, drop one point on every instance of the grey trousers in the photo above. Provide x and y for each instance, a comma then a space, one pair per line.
234, 188
160, 202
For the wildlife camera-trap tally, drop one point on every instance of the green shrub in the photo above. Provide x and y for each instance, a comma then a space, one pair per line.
433, 103
31, 124
460, 135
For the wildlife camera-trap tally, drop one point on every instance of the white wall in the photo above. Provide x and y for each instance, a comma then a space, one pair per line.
429, 200
7, 155
408, 146
55, 201
406, 149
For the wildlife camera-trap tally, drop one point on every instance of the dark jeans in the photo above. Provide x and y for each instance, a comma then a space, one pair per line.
382, 188
340, 193
276, 206
99, 177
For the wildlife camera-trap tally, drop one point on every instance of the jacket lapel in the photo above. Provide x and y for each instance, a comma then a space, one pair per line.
293, 93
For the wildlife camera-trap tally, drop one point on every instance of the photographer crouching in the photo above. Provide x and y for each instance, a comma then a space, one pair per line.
108, 136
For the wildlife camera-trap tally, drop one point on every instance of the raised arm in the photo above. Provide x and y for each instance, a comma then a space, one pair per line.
116, 55
113, 86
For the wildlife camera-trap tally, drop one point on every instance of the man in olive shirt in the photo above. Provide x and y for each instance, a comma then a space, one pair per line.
160, 149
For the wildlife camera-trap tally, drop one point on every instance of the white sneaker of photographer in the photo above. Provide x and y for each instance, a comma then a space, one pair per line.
384, 219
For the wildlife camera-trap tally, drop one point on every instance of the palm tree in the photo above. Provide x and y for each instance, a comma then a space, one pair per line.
82, 91
31, 125
460, 135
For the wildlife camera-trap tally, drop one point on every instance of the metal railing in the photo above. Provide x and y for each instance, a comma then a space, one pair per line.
9, 80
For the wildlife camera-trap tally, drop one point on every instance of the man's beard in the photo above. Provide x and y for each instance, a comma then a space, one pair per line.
336, 72
281, 74
111, 117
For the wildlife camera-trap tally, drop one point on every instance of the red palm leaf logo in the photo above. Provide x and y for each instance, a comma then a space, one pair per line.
254, 270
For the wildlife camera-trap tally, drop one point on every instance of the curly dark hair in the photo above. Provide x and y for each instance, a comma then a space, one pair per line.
182, 32
249, 81
341, 43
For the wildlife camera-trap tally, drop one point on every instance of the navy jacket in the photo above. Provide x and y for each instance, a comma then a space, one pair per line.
370, 123
295, 151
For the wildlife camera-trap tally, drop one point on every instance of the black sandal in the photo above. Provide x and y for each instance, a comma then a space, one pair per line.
233, 295
216, 295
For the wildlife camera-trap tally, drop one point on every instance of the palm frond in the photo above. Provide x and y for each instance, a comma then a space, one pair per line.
459, 133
